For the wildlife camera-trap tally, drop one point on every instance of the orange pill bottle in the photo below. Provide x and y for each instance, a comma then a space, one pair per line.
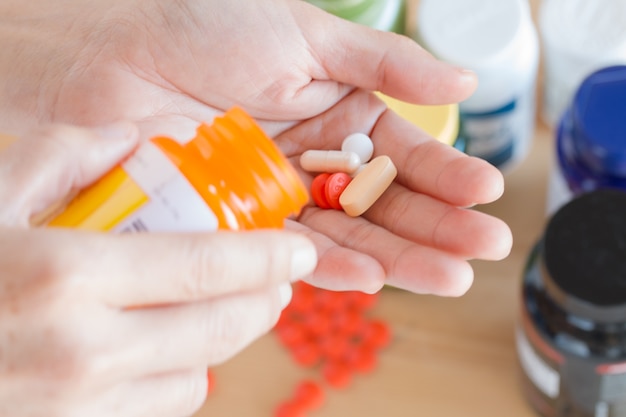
230, 176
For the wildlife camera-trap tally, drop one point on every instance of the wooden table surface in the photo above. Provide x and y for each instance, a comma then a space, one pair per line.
449, 357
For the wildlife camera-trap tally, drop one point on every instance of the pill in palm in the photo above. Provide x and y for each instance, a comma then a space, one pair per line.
330, 161
318, 190
359, 143
368, 186
335, 185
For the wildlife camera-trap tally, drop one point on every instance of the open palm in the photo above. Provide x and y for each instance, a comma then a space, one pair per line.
307, 78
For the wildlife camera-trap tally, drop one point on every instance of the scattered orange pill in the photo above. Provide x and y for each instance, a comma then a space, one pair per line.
310, 394
290, 409
364, 360
335, 184
211, 379
337, 337
337, 374
378, 335
306, 354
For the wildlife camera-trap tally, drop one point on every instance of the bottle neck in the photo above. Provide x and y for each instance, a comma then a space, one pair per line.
241, 174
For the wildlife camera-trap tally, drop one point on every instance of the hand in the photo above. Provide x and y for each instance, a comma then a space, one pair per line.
121, 325
307, 77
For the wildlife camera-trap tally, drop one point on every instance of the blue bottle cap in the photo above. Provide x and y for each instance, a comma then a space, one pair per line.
599, 121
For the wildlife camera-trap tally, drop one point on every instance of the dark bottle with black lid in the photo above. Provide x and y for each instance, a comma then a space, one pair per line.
571, 339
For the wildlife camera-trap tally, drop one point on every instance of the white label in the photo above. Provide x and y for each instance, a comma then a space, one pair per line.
173, 206
501, 136
546, 379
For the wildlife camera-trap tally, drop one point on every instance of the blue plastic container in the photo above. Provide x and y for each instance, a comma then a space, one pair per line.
591, 138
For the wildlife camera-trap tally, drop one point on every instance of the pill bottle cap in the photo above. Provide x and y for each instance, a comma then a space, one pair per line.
239, 172
584, 254
598, 125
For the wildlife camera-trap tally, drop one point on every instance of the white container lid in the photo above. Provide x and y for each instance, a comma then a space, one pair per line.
494, 38
586, 29
579, 37
469, 33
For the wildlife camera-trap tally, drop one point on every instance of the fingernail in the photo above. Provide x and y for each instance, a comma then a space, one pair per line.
303, 260
117, 130
285, 293
467, 74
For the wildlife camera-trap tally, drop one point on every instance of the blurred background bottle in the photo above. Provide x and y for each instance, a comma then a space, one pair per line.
578, 37
590, 143
497, 40
571, 337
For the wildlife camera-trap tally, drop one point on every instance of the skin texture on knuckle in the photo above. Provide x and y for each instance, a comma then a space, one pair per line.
38, 293
34, 267
234, 262
233, 323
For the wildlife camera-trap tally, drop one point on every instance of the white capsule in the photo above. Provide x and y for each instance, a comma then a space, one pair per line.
330, 161
359, 143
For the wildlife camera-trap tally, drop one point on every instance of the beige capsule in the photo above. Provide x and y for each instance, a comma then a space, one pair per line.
330, 161
368, 185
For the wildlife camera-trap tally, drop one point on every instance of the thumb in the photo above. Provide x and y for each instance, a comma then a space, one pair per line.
383, 61
49, 163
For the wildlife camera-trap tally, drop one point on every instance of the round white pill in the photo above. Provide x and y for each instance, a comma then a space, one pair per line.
360, 144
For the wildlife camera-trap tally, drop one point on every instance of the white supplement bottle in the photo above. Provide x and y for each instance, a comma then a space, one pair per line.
497, 40
578, 37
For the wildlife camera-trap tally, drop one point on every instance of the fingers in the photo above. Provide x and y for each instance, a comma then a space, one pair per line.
341, 268
374, 60
466, 233
148, 269
434, 168
174, 394
151, 269
407, 265
44, 166
163, 339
